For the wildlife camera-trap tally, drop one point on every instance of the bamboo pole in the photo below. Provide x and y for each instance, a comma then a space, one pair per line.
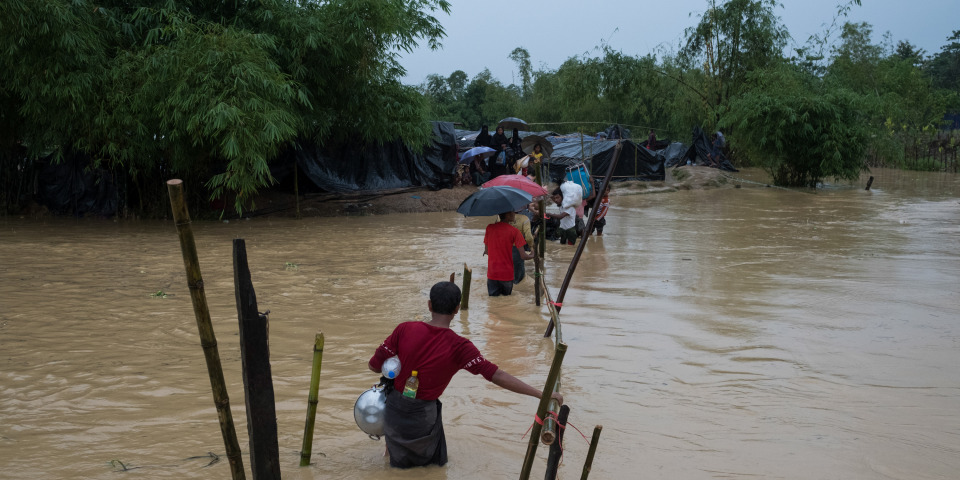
549, 433
312, 401
208, 340
541, 241
556, 449
536, 270
465, 294
593, 449
545, 399
586, 233
552, 308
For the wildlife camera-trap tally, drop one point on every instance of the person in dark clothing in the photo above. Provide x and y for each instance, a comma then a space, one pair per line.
651, 140
478, 171
516, 151
498, 162
413, 427
483, 138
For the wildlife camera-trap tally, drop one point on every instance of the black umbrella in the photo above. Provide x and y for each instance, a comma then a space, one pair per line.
513, 122
529, 141
494, 201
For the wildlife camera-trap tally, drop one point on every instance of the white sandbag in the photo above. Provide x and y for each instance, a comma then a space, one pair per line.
572, 194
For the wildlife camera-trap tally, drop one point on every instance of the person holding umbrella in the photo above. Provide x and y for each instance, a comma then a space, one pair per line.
498, 243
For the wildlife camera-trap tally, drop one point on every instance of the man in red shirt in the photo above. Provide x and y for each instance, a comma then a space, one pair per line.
498, 243
413, 427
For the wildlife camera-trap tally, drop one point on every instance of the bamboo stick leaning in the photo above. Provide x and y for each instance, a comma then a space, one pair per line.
208, 339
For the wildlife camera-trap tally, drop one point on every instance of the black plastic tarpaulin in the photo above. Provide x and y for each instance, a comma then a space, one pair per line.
635, 163
73, 186
703, 147
375, 167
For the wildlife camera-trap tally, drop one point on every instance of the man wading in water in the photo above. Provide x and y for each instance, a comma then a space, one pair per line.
412, 426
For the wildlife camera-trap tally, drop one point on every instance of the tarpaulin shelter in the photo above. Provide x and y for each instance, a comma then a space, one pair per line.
356, 167
676, 153
702, 146
73, 186
635, 163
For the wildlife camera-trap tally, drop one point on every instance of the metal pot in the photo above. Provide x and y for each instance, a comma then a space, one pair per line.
369, 411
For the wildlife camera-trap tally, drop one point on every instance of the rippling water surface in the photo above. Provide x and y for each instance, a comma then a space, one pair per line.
738, 333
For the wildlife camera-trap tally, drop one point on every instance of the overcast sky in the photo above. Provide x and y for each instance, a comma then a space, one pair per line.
481, 34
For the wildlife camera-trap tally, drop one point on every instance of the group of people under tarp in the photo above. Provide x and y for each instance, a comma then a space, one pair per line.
575, 201
508, 158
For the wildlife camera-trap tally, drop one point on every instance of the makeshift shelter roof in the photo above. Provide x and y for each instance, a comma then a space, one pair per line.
635, 162
465, 138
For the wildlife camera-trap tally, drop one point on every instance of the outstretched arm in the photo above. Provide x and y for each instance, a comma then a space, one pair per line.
505, 380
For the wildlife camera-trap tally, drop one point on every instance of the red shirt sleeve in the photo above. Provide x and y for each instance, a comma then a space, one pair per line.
472, 361
386, 350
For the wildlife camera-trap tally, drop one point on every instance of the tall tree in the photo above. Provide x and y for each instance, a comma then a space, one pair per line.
732, 38
521, 57
945, 65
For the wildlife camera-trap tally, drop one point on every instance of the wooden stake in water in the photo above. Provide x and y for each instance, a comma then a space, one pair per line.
312, 401
465, 294
257, 375
208, 339
556, 448
593, 449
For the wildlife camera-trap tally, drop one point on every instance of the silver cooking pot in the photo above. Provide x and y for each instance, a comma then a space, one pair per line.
369, 411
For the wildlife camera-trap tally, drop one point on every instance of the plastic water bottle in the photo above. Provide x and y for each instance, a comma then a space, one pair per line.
413, 383
391, 367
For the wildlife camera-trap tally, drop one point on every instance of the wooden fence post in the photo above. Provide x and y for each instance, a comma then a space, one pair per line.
257, 379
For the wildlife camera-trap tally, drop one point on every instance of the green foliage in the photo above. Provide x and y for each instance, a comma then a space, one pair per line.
800, 130
732, 39
944, 67
209, 90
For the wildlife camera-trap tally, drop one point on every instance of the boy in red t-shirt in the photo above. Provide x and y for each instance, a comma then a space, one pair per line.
498, 243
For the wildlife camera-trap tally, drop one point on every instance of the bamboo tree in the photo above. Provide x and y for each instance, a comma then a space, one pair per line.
312, 401
208, 339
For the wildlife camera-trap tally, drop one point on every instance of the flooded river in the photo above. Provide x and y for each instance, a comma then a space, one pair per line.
729, 333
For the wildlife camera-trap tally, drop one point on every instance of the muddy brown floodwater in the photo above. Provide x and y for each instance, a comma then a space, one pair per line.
729, 333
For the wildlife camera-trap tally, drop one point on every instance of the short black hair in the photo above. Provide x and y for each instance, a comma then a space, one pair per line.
445, 297
557, 192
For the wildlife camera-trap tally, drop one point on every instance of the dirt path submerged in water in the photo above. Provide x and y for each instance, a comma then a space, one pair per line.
418, 200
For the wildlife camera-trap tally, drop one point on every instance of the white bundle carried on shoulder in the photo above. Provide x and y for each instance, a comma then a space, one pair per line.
572, 194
